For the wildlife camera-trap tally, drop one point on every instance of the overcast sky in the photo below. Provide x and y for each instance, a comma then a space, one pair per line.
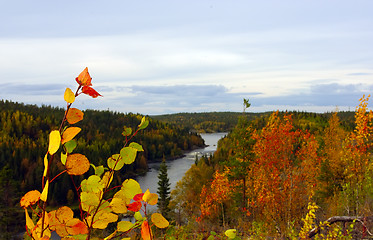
157, 57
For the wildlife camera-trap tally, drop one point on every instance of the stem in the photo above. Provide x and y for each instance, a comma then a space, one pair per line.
58, 175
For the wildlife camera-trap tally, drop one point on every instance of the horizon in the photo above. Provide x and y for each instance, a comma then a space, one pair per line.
166, 57
151, 115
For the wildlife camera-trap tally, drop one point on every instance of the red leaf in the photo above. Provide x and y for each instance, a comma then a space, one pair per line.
138, 197
134, 207
90, 91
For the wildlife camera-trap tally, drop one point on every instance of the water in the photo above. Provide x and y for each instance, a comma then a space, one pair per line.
177, 168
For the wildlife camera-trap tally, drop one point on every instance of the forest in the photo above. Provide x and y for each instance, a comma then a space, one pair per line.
287, 175
24, 131
279, 175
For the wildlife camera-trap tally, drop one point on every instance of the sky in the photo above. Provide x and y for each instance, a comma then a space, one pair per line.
164, 56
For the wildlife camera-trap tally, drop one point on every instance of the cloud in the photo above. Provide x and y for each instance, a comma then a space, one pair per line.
31, 89
321, 95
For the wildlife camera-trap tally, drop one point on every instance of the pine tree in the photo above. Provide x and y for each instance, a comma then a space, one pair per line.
163, 189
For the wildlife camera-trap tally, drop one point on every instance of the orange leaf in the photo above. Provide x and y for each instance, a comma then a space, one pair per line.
84, 79
69, 134
90, 91
145, 231
75, 227
74, 115
77, 164
30, 198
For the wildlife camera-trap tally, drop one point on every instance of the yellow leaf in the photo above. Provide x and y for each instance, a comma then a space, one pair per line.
77, 164
69, 96
45, 165
150, 198
130, 188
118, 205
230, 233
159, 220
44, 194
102, 219
124, 226
69, 134
54, 142
74, 115
30, 198
29, 223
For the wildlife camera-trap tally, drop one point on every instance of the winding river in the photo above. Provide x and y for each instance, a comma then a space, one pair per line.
177, 168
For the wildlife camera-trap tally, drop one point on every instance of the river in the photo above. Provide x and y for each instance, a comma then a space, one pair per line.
177, 168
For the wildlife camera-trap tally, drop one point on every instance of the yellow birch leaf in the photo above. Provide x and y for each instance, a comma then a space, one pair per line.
102, 219
45, 165
44, 193
159, 220
118, 205
77, 164
150, 198
69, 134
30, 198
74, 115
69, 96
230, 233
54, 142
29, 223
124, 226
130, 188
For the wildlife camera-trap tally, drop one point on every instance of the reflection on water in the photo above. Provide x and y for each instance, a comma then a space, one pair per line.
177, 168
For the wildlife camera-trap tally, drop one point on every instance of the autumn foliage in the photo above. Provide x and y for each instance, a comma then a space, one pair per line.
99, 203
280, 168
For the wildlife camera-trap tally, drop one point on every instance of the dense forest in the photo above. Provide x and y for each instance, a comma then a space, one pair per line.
287, 175
277, 175
227, 121
24, 133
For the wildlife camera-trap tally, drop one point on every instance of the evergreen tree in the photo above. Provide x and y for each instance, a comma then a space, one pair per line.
163, 189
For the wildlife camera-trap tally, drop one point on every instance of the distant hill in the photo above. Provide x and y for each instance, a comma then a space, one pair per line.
226, 121
207, 121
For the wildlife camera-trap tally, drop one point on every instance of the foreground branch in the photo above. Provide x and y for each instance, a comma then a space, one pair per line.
335, 219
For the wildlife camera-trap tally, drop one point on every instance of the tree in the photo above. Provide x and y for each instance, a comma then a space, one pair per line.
163, 189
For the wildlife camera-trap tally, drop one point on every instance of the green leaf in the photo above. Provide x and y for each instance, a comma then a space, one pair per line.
63, 158
70, 146
115, 162
124, 226
136, 146
128, 154
92, 184
144, 123
99, 170
127, 131
138, 216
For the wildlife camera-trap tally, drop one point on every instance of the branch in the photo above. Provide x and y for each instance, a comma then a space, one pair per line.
335, 219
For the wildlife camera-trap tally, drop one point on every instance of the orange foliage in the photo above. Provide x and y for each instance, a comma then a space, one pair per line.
283, 174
